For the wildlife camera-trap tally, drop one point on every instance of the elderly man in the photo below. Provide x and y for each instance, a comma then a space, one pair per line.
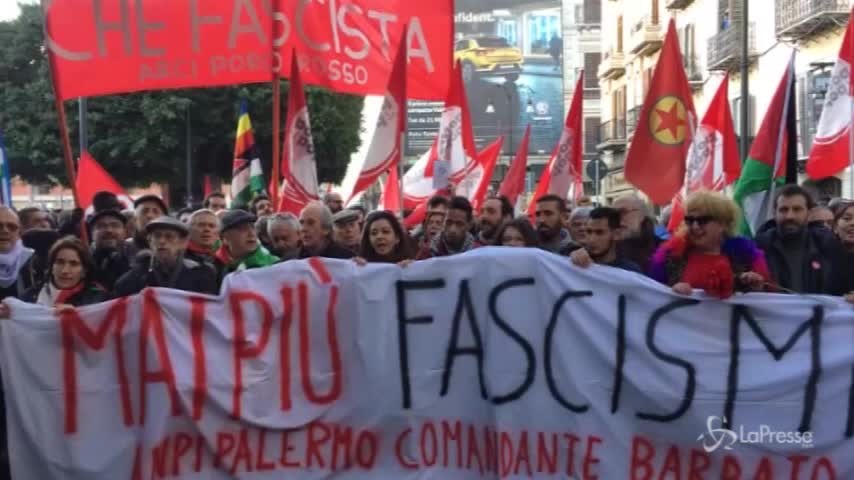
146, 209
578, 223
347, 231
167, 267
204, 239
333, 202
316, 233
283, 230
13, 254
639, 239
240, 248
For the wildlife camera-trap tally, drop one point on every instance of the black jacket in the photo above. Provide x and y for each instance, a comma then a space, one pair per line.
212, 261
332, 250
823, 269
111, 264
191, 277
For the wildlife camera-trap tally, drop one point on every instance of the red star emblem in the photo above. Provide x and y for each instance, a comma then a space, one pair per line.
669, 120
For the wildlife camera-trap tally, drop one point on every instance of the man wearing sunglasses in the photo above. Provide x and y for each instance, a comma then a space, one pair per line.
13, 254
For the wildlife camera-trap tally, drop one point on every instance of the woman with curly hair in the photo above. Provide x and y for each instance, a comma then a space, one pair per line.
706, 254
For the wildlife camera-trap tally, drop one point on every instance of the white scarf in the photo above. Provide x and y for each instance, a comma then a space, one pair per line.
11, 263
48, 294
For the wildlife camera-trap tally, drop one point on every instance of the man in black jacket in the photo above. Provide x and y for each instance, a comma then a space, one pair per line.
167, 266
316, 233
110, 252
802, 258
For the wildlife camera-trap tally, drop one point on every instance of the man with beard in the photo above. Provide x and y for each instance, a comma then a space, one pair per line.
803, 258
110, 251
316, 233
240, 248
455, 236
347, 230
13, 254
550, 211
262, 206
495, 212
283, 230
166, 266
215, 202
333, 202
600, 241
639, 239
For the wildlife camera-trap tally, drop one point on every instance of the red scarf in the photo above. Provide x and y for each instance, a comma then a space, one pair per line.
196, 248
223, 255
64, 295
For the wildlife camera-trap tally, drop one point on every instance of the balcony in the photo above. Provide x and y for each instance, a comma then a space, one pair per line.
799, 19
646, 36
612, 135
724, 49
613, 65
678, 4
632, 121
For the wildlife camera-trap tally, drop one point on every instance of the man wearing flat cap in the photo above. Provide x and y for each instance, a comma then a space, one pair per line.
241, 249
167, 266
107, 229
347, 231
146, 209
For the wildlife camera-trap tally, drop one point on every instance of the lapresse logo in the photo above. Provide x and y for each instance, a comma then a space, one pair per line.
717, 437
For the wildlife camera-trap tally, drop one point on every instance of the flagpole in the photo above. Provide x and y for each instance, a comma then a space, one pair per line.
851, 127
778, 154
189, 153
277, 115
400, 170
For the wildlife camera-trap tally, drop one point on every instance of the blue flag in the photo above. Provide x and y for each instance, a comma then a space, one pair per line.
5, 177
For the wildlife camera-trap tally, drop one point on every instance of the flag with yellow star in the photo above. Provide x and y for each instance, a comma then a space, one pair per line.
655, 163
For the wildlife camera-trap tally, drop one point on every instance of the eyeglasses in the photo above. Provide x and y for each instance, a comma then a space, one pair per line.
700, 220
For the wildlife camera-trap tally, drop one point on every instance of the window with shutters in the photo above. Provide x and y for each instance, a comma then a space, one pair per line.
654, 16
591, 134
620, 34
591, 63
592, 11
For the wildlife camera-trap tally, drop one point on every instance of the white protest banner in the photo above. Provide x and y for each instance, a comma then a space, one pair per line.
501, 363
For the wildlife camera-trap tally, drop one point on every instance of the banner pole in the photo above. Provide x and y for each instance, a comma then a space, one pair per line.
66, 148
277, 114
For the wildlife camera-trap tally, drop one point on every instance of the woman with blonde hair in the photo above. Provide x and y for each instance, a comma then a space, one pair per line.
706, 254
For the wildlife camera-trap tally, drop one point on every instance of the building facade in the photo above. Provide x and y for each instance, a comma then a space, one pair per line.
711, 37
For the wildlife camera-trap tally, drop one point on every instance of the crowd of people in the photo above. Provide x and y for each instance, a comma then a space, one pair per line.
806, 248
78, 258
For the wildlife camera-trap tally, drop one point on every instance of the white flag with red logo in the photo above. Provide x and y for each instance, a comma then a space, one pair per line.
566, 169
417, 186
299, 170
830, 149
475, 183
713, 161
385, 150
455, 151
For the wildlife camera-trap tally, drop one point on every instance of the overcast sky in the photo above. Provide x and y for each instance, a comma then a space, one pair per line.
9, 8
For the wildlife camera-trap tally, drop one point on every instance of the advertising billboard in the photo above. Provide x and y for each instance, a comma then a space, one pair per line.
511, 57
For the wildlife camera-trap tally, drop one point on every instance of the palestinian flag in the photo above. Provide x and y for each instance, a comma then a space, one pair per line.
772, 161
247, 177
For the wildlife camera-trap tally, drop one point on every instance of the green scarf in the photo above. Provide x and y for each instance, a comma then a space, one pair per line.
258, 259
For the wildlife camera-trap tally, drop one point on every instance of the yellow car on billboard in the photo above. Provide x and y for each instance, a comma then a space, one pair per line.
488, 55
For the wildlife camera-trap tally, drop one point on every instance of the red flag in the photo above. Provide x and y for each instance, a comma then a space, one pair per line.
208, 188
514, 182
385, 150
455, 148
390, 199
299, 170
107, 46
475, 183
542, 187
92, 178
713, 161
566, 169
830, 149
655, 162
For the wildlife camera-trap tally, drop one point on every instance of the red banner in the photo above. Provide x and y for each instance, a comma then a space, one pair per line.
115, 46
